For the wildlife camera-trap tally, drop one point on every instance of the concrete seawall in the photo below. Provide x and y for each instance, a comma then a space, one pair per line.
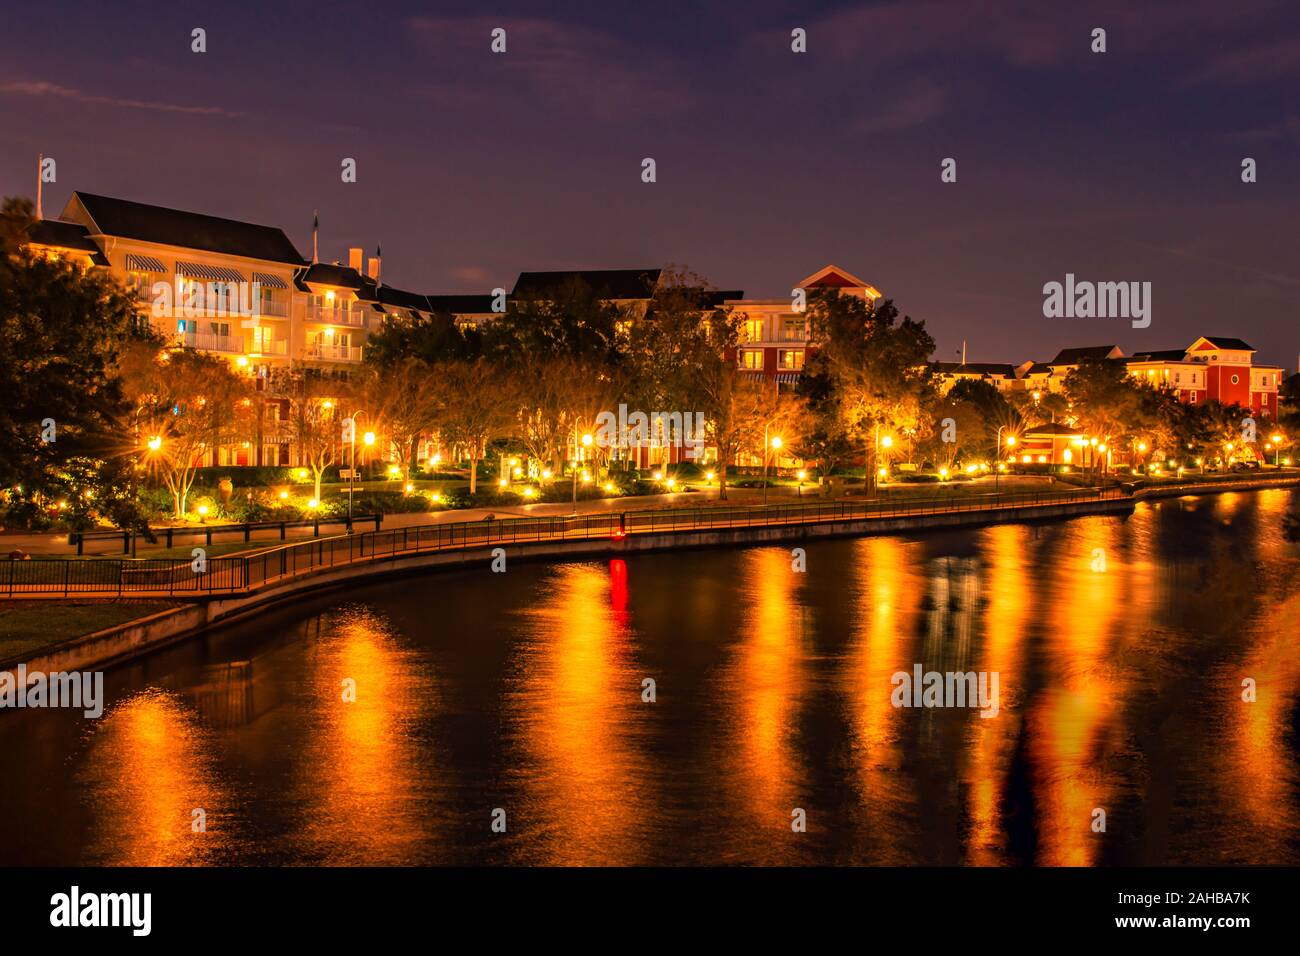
123, 642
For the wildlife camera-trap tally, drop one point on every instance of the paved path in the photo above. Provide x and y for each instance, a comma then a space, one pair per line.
107, 579
56, 545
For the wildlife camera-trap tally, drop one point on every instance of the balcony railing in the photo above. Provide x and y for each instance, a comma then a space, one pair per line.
274, 347
214, 343
272, 307
336, 315
335, 353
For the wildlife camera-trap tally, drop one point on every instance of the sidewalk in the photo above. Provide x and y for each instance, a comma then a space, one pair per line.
56, 545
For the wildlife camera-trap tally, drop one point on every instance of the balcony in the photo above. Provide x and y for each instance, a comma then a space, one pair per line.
210, 342
338, 314
335, 353
273, 347
272, 307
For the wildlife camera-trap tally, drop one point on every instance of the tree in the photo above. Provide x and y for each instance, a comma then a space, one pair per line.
1107, 403
315, 424
479, 409
978, 409
189, 403
870, 370
408, 397
63, 330
434, 339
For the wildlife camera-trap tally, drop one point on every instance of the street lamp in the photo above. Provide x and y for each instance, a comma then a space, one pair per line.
774, 443
1011, 440
350, 428
587, 441
1277, 451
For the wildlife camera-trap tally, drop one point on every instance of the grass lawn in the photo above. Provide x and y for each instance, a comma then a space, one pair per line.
30, 625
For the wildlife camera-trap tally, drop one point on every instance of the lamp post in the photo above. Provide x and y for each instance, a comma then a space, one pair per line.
1277, 451
997, 457
774, 443
577, 457
369, 439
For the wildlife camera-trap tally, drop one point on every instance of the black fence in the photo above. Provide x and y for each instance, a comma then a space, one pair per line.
209, 531
192, 578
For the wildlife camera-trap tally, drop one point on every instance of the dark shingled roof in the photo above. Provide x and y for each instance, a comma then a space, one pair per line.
333, 274
975, 368
1075, 356
344, 277
460, 304
65, 235
400, 298
1164, 355
1227, 342
134, 220
609, 283
1052, 428
714, 300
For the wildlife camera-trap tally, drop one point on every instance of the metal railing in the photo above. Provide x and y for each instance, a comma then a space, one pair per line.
180, 577
209, 531
337, 315
341, 353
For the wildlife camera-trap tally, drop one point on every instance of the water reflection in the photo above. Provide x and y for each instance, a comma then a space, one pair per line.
361, 772
147, 769
580, 770
1121, 645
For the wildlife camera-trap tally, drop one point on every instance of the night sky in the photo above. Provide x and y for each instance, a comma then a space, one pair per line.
473, 166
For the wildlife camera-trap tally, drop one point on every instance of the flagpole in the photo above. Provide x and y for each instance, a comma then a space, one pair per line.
40, 161
315, 227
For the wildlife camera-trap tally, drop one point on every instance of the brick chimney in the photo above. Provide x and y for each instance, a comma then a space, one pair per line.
375, 263
355, 255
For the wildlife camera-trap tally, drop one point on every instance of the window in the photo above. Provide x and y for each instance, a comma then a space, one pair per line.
751, 358
1236, 379
791, 358
754, 330
219, 328
793, 329
263, 340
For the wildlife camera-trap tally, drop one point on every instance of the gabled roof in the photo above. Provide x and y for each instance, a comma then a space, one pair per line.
1052, 428
59, 234
124, 219
608, 283
343, 277
1075, 356
834, 277
1221, 342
